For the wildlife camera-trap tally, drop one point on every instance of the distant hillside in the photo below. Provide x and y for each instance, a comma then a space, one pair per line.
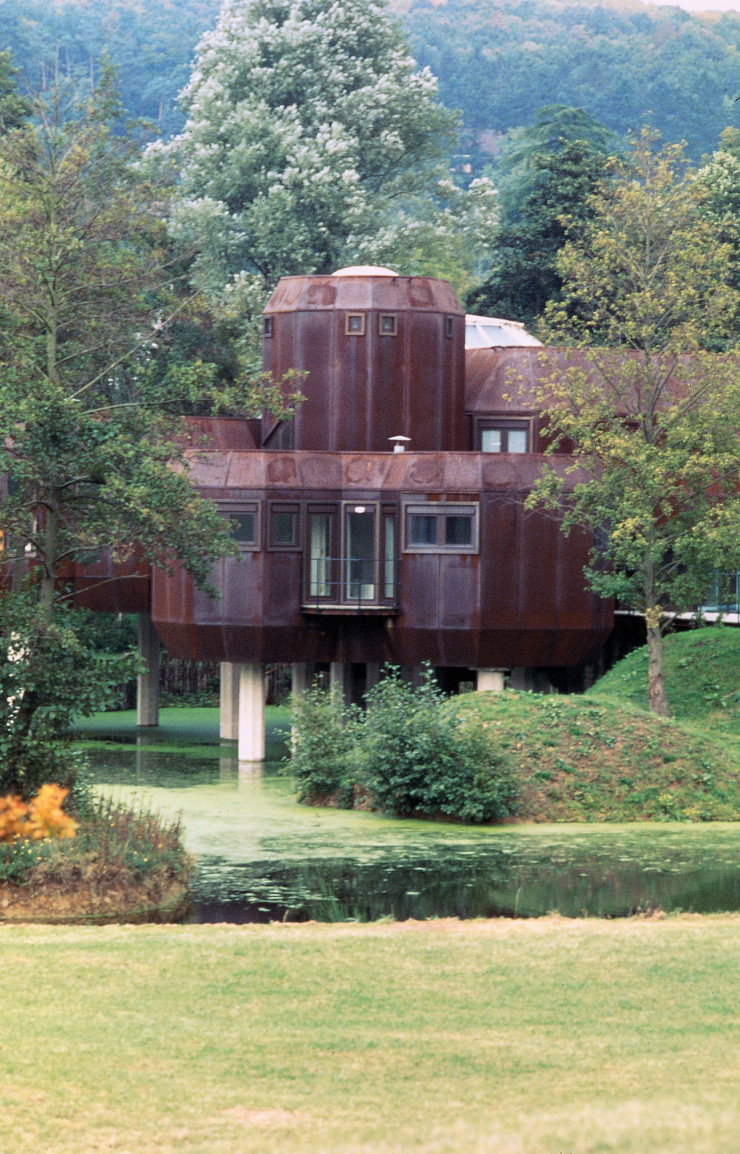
627, 64
150, 43
497, 62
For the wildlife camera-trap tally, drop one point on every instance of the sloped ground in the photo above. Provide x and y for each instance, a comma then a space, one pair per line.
603, 757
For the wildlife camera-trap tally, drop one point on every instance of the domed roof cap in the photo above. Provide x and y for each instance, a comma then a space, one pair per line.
364, 270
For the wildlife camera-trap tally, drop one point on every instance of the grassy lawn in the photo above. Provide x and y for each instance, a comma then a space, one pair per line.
529, 1037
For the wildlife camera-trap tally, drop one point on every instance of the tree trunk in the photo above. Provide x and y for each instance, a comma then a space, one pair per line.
657, 699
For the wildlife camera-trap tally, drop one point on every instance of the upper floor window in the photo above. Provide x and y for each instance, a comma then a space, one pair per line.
283, 526
451, 527
244, 520
499, 436
267, 326
388, 324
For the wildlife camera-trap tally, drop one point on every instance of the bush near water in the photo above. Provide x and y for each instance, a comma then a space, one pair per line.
531, 757
405, 755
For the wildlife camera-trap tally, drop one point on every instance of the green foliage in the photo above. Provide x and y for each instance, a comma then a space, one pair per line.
547, 176
624, 64
49, 676
312, 142
406, 753
323, 751
655, 467
418, 758
115, 845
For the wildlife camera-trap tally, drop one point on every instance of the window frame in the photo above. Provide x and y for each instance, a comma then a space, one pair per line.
227, 508
441, 510
331, 510
350, 332
294, 509
504, 425
388, 332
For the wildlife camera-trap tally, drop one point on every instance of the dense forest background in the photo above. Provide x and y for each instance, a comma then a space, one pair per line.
626, 64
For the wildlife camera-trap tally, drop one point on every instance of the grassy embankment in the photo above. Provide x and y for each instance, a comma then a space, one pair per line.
549, 1036
603, 757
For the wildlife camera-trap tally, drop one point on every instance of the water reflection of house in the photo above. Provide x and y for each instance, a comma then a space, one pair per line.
385, 522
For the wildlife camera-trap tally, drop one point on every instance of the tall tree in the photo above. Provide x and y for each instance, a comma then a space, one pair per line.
311, 143
89, 429
654, 418
548, 173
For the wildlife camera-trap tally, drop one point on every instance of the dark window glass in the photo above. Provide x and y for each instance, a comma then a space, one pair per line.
422, 529
459, 530
283, 527
243, 526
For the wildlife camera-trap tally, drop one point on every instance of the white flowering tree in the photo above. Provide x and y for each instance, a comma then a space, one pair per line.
313, 142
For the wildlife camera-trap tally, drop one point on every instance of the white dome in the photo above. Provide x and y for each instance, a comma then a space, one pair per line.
364, 270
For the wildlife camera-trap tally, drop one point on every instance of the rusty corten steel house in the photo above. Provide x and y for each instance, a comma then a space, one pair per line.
354, 552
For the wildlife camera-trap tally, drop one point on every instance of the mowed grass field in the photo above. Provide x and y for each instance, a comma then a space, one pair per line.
500, 1037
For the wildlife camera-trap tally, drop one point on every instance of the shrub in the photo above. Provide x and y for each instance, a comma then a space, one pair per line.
407, 752
323, 747
419, 758
42, 818
48, 677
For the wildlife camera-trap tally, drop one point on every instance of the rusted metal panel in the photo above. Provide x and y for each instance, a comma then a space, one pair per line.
113, 586
367, 383
520, 601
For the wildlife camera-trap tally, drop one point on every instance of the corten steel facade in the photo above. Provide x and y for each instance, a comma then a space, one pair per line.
350, 552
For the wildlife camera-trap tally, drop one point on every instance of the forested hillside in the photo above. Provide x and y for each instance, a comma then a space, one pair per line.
498, 63
151, 45
626, 65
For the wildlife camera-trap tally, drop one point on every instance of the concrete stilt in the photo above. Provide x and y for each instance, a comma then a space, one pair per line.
229, 701
372, 675
490, 680
300, 678
147, 683
251, 713
340, 680
300, 681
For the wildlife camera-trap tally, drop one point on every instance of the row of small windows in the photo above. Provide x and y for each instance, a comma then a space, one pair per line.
355, 325
428, 527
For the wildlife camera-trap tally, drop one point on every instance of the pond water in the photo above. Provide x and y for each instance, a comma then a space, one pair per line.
260, 856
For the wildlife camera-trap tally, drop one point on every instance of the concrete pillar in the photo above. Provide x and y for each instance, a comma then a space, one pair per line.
300, 681
490, 680
300, 678
147, 683
372, 675
251, 713
229, 701
340, 680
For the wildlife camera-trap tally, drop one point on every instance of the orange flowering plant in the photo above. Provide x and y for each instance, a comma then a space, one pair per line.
43, 817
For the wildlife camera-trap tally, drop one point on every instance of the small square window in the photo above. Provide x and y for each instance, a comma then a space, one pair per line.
244, 523
267, 326
388, 324
459, 529
354, 325
422, 529
244, 527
